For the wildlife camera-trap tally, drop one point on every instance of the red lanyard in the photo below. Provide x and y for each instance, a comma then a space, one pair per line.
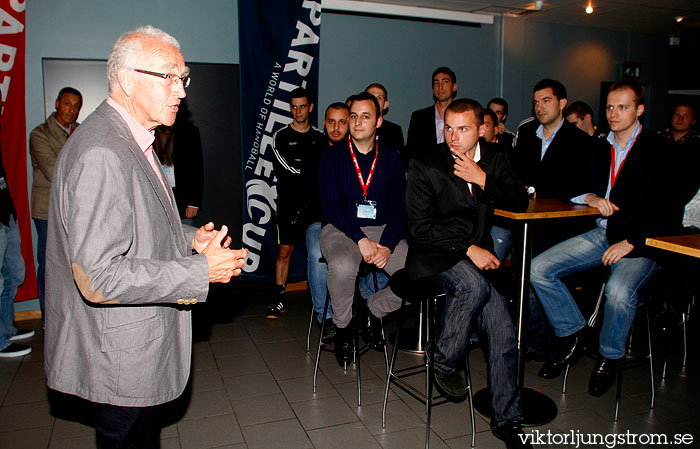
613, 173
364, 185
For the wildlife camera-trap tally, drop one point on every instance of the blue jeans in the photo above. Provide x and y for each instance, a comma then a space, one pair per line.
40, 226
471, 298
501, 241
367, 284
11, 277
581, 253
316, 270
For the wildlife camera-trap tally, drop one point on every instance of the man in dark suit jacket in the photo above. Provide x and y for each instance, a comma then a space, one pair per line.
390, 133
552, 157
629, 185
451, 194
426, 126
179, 148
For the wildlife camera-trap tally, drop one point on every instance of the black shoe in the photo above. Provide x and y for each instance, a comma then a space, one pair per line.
22, 334
329, 331
371, 328
667, 321
569, 356
603, 376
343, 345
15, 350
512, 434
274, 310
453, 384
373, 334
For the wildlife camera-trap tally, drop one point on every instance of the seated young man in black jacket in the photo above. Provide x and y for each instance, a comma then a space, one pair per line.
451, 194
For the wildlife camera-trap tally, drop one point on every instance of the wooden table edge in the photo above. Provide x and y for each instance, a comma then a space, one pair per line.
671, 243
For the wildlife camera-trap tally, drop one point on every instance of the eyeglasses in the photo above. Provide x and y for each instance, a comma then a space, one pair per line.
170, 78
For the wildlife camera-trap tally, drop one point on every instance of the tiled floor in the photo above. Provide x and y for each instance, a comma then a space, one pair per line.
252, 388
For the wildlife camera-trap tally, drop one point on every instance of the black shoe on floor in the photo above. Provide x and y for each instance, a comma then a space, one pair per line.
329, 331
373, 334
274, 309
343, 345
371, 328
603, 376
512, 434
277, 306
22, 334
569, 356
453, 384
667, 321
15, 350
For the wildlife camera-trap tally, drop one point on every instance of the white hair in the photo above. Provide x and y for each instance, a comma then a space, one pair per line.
128, 51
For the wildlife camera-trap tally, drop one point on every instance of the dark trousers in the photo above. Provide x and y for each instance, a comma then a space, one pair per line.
471, 298
127, 427
41, 229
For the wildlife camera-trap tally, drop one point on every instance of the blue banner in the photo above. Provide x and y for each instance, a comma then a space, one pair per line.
279, 43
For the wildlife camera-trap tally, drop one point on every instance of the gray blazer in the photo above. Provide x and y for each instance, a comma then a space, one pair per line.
117, 264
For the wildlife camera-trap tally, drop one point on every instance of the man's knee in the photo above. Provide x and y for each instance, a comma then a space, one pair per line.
541, 271
619, 296
343, 264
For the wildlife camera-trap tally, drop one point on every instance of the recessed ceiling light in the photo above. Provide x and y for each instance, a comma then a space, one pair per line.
679, 19
589, 9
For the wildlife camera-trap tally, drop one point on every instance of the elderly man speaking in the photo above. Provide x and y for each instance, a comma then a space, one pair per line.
120, 271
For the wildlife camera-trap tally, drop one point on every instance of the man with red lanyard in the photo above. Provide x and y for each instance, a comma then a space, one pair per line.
629, 187
362, 187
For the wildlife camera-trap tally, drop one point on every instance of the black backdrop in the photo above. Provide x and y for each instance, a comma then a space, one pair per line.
214, 105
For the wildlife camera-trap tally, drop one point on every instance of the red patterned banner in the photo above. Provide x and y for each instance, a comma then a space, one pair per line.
13, 132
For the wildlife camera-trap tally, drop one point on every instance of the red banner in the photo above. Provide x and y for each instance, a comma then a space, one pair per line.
13, 132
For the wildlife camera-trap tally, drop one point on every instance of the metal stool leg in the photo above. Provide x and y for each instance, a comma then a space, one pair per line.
308, 334
320, 338
471, 401
429, 332
392, 361
618, 394
651, 359
591, 322
356, 357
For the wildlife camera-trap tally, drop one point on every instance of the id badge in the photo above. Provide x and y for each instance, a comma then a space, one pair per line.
367, 209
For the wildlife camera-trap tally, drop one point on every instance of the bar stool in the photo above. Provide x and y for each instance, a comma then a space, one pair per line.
685, 317
357, 350
410, 291
637, 359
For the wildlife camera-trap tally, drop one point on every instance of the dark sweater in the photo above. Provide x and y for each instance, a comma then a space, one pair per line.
340, 191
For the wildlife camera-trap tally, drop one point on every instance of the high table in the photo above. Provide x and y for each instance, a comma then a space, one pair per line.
537, 407
681, 244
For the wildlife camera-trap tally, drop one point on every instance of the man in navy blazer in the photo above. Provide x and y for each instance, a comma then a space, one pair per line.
426, 128
629, 187
451, 194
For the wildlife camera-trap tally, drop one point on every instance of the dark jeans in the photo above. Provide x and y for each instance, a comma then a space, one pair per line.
470, 298
127, 427
40, 226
